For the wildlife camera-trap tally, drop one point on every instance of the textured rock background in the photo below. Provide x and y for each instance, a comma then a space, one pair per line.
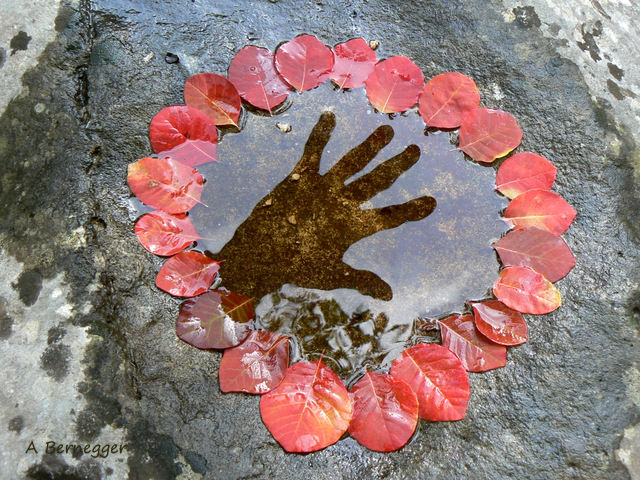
88, 347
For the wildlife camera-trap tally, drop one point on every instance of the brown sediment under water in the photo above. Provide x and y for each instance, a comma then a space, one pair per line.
330, 266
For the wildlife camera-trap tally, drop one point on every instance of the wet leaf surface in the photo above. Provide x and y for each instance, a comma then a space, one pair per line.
184, 134
542, 209
438, 378
310, 410
385, 412
257, 365
215, 319
304, 62
354, 62
446, 99
215, 96
394, 85
525, 171
526, 291
487, 134
187, 274
477, 354
165, 234
253, 73
537, 249
499, 323
165, 184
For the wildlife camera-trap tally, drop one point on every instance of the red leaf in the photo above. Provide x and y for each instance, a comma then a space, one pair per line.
526, 291
354, 62
437, 377
214, 95
542, 209
184, 134
216, 319
165, 184
304, 62
187, 274
310, 410
164, 234
394, 85
476, 353
525, 171
487, 134
499, 323
254, 74
537, 249
447, 98
385, 412
257, 365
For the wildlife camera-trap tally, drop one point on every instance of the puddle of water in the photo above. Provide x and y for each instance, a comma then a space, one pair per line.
432, 265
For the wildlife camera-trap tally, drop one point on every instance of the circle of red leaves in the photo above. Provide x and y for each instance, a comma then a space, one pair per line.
427, 380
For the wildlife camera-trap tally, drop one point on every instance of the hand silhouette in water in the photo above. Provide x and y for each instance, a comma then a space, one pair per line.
300, 231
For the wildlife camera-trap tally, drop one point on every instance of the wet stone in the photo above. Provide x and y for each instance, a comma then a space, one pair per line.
171, 58
19, 42
16, 424
55, 467
55, 334
6, 322
527, 17
616, 71
519, 416
28, 285
55, 361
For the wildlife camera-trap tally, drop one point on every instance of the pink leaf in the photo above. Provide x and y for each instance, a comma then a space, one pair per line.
476, 353
187, 274
304, 62
437, 377
253, 73
354, 62
394, 85
184, 134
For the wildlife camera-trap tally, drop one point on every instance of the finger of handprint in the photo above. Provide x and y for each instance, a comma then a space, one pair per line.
358, 158
366, 282
395, 215
318, 139
383, 176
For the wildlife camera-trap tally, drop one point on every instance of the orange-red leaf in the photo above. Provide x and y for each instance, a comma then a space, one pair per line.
394, 85
164, 234
165, 184
187, 274
304, 62
309, 410
253, 73
385, 412
216, 319
542, 209
184, 134
446, 99
257, 365
437, 377
499, 323
476, 353
214, 95
354, 62
525, 171
487, 134
537, 249
526, 291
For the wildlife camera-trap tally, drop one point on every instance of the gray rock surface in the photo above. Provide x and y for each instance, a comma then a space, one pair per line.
88, 343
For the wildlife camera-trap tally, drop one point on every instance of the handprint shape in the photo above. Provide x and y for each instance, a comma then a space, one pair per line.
299, 232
